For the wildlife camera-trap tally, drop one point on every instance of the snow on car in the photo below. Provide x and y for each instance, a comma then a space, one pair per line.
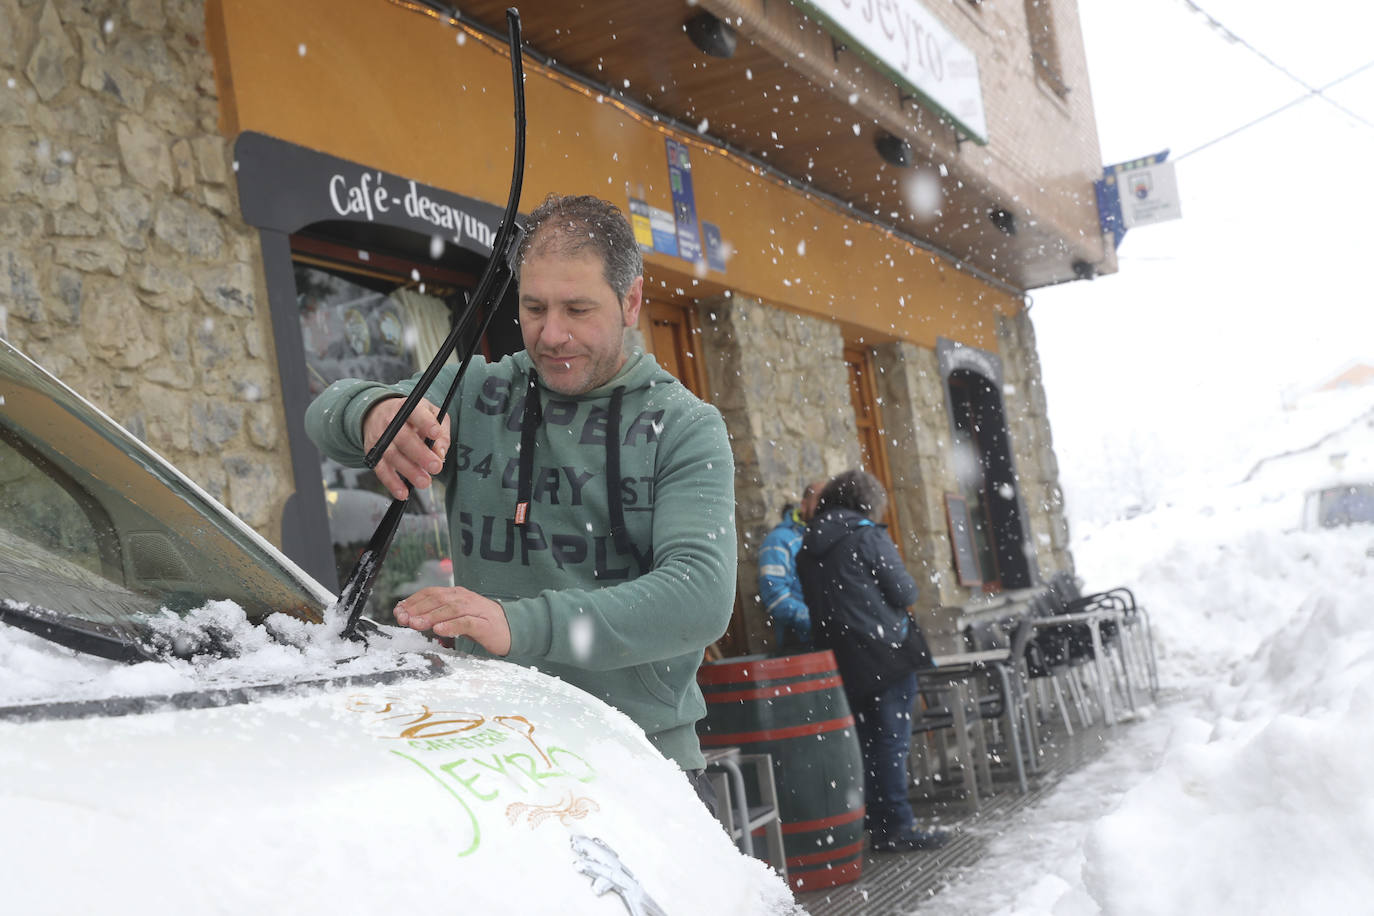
182, 728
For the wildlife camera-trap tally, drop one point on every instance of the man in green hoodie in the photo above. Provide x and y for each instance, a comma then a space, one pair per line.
590, 496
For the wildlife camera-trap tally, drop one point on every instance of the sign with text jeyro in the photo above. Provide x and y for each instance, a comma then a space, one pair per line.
912, 46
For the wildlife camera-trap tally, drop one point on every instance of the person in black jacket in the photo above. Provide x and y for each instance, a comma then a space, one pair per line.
858, 591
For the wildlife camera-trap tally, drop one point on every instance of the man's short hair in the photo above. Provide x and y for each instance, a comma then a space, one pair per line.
570, 225
857, 490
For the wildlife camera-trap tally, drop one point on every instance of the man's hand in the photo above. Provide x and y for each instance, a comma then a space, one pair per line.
457, 611
407, 456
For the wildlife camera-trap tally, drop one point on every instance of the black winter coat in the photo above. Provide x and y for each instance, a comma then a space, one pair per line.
857, 591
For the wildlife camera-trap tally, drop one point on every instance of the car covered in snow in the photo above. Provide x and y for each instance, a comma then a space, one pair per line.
182, 728
1339, 505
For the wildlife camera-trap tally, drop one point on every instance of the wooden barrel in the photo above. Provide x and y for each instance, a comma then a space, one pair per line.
794, 708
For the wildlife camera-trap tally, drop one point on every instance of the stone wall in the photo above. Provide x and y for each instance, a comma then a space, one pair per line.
916, 430
125, 268
1032, 445
779, 380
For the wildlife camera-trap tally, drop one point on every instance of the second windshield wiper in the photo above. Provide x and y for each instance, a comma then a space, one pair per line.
140, 640
85, 636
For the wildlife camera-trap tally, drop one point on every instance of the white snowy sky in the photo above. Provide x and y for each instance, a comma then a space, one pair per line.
1261, 287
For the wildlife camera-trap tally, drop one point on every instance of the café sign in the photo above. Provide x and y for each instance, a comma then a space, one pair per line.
906, 41
287, 187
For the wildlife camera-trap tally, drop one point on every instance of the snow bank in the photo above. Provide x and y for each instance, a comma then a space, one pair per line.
1248, 789
1269, 807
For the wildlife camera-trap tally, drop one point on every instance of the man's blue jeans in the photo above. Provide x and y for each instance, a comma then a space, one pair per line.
883, 721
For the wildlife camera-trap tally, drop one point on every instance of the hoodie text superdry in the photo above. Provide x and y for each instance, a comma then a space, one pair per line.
614, 588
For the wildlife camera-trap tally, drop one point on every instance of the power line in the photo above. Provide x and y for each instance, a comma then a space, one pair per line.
1236, 39
1264, 117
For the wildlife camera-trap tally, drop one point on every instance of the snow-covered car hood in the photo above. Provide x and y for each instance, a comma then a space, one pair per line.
491, 788
183, 729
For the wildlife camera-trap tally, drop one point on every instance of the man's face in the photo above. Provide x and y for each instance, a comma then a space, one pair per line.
572, 323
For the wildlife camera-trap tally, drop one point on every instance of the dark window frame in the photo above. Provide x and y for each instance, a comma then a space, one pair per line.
1044, 45
1015, 548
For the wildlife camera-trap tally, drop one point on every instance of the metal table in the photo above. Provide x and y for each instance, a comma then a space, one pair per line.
1093, 620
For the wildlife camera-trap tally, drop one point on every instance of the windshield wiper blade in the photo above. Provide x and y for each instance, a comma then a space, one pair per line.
88, 637
491, 288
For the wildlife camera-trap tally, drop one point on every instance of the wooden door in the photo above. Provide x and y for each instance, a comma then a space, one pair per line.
863, 395
673, 336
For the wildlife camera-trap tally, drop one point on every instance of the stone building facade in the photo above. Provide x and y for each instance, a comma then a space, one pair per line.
785, 400
125, 268
128, 267
787, 405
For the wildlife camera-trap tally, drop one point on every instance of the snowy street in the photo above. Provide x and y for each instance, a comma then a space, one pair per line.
1247, 789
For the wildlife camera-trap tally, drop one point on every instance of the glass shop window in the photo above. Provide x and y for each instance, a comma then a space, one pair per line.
366, 315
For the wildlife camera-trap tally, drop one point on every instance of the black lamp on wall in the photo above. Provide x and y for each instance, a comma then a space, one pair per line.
1003, 220
894, 150
711, 35
1084, 270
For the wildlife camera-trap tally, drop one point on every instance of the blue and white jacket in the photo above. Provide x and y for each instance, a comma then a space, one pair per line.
779, 586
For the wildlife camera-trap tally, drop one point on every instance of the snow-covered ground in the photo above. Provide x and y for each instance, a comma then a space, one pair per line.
1248, 789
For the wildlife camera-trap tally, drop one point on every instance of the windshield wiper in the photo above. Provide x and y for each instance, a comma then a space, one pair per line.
491, 288
85, 636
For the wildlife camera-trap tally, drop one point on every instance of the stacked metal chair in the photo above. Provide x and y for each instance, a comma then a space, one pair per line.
1125, 638
1049, 661
1135, 637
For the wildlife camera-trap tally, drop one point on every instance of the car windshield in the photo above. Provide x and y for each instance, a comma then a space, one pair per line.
98, 531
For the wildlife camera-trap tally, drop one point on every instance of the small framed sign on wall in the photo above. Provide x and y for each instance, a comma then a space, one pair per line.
961, 540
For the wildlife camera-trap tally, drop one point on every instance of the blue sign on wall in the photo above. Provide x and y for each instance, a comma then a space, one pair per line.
684, 202
1108, 193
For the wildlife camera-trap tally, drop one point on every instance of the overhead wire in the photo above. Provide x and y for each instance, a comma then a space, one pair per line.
1236, 39
1281, 108
1318, 91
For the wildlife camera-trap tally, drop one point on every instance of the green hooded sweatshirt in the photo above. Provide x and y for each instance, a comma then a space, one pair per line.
617, 589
